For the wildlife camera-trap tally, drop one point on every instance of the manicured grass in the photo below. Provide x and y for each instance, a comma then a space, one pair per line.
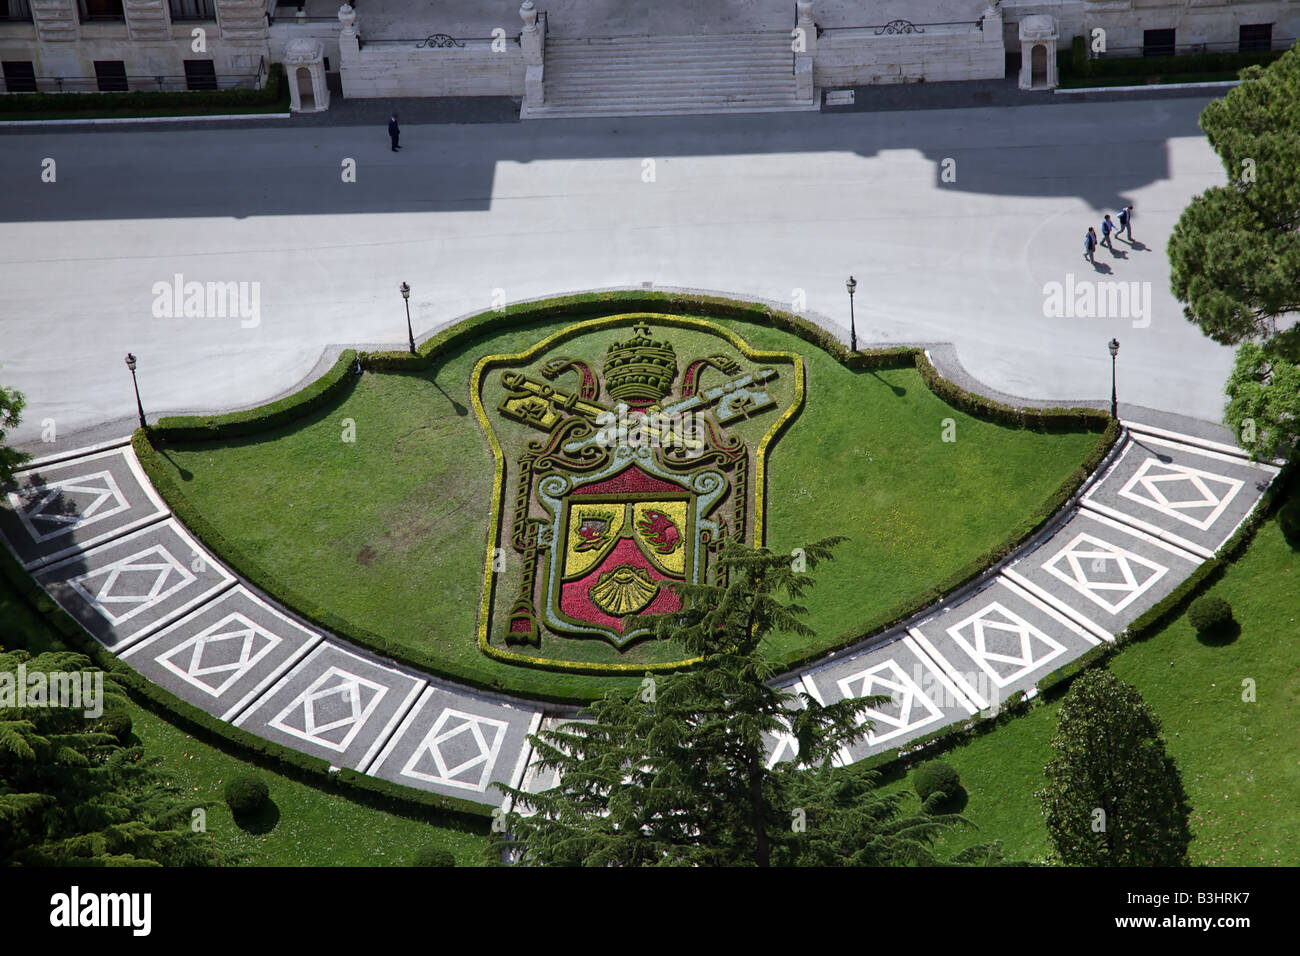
310, 827
388, 531
307, 827
1238, 759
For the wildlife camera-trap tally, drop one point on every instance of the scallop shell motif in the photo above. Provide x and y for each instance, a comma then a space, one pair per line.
625, 590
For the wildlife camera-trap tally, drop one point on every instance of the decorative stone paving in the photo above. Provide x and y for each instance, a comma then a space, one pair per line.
132, 586
999, 641
60, 509
101, 543
224, 654
458, 744
1102, 572
1188, 496
922, 697
336, 705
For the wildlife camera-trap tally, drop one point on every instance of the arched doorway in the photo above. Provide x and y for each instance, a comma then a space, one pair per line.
1038, 75
306, 97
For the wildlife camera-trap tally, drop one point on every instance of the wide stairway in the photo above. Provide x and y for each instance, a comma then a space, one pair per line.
668, 76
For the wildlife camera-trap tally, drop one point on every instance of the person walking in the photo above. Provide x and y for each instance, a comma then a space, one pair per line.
1126, 221
1090, 245
394, 131
1107, 227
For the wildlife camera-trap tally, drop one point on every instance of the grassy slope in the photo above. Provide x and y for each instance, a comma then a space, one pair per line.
314, 828
1238, 760
388, 531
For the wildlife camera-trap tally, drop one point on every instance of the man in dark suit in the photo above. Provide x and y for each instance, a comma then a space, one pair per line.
393, 131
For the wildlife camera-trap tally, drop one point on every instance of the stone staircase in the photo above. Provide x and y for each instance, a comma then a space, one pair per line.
668, 76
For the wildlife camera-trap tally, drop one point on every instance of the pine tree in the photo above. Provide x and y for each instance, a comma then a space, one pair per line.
1234, 254
1114, 797
677, 773
73, 795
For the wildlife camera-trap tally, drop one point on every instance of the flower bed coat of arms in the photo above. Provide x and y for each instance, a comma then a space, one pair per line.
627, 450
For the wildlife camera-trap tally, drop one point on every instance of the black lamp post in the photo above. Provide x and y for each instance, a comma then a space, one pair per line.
130, 363
1114, 350
852, 285
406, 297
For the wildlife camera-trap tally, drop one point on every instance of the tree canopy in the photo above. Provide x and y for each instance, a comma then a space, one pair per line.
71, 794
1235, 251
1114, 797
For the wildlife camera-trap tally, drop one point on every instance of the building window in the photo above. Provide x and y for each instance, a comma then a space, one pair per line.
200, 75
111, 76
1253, 37
101, 10
1157, 42
192, 10
20, 77
15, 10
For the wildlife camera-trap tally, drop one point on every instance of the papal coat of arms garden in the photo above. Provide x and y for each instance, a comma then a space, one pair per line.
627, 451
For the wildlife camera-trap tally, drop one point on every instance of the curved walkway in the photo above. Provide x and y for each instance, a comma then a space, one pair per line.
91, 529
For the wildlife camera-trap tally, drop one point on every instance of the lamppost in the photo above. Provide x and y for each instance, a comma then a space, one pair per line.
852, 285
130, 363
406, 297
1114, 350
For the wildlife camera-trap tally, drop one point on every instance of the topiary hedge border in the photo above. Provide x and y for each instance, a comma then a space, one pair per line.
1080, 65
274, 93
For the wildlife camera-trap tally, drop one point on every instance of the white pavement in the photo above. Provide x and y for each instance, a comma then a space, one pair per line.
769, 206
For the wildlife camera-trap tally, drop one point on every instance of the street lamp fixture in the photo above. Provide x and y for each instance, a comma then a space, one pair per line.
1113, 345
852, 285
406, 297
130, 364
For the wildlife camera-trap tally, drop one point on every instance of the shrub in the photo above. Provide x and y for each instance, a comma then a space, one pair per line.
116, 723
246, 794
433, 856
1288, 518
935, 776
1208, 614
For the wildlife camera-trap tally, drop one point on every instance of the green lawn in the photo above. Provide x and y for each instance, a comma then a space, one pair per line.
311, 827
1239, 760
387, 532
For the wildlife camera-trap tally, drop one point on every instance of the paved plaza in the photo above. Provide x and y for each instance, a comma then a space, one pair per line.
780, 207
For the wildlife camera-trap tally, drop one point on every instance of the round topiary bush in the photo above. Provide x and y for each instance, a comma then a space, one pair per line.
116, 723
1209, 614
246, 795
1289, 520
934, 776
434, 856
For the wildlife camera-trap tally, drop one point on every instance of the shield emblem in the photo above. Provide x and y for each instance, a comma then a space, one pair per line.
627, 448
627, 538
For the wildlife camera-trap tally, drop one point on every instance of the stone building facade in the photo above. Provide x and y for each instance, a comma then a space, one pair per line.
393, 48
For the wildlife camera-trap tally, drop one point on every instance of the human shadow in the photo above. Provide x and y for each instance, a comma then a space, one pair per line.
1102, 268
1117, 253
